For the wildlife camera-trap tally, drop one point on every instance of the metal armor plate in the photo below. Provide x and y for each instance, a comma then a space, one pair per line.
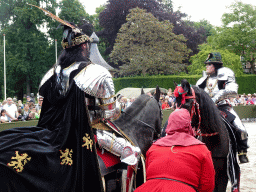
96, 81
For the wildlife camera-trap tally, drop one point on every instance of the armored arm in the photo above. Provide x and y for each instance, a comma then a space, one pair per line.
230, 86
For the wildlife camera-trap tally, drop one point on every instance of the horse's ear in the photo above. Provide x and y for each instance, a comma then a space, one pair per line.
142, 91
157, 93
175, 84
186, 86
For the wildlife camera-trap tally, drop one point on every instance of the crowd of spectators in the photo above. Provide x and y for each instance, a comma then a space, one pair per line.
243, 99
13, 110
167, 101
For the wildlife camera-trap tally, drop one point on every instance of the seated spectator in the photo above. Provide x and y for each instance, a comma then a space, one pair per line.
178, 161
165, 104
20, 104
254, 98
3, 117
20, 116
242, 100
249, 100
26, 112
33, 114
237, 100
161, 100
11, 110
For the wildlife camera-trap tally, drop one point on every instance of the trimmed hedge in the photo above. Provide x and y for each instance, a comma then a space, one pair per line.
247, 83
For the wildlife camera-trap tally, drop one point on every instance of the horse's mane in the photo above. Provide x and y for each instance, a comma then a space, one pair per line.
210, 115
138, 104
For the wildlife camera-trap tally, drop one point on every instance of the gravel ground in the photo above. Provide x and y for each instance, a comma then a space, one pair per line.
248, 170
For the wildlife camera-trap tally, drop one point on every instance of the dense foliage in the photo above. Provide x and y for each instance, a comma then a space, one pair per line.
145, 45
116, 11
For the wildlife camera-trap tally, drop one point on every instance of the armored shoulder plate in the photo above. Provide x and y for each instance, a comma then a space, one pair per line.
96, 81
226, 74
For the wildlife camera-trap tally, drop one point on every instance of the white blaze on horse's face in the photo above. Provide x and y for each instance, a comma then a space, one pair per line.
210, 69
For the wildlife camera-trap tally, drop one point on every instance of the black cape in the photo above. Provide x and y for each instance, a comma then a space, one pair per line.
56, 155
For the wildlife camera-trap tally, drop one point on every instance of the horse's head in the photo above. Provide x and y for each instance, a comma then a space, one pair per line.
204, 113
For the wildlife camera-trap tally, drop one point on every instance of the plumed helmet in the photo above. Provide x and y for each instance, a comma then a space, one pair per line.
214, 58
77, 35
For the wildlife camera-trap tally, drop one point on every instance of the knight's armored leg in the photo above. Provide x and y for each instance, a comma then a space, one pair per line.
118, 146
242, 138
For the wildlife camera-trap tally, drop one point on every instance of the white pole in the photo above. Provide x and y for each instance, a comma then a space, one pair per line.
4, 72
56, 50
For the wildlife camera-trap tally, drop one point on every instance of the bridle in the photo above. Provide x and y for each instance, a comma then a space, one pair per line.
195, 111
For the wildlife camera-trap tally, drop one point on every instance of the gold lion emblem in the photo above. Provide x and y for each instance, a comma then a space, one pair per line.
88, 142
19, 161
66, 157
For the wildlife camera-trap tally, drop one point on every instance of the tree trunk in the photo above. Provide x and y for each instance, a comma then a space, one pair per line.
253, 66
28, 85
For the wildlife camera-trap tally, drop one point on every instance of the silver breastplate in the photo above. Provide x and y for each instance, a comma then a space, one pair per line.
211, 86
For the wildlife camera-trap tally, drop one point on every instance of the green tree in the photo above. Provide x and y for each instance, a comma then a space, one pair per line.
30, 50
209, 29
238, 33
73, 11
230, 60
26, 46
147, 46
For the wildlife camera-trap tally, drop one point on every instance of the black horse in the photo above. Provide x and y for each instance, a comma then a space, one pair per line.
141, 123
215, 132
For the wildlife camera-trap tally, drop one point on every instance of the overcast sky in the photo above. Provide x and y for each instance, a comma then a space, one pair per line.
196, 9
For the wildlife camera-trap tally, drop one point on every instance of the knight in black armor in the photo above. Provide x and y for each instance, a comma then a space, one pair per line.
97, 84
59, 154
219, 82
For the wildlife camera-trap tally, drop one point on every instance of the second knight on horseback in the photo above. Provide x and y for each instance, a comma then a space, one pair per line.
219, 82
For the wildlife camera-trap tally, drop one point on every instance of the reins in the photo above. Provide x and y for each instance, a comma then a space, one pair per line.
194, 109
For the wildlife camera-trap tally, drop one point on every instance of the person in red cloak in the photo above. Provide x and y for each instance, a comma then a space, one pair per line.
178, 161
